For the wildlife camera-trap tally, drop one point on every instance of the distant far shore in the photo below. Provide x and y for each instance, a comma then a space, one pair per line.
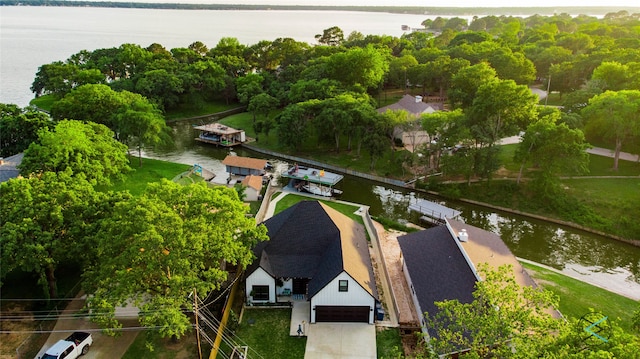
422, 10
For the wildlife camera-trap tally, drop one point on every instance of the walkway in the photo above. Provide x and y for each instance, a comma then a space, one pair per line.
599, 151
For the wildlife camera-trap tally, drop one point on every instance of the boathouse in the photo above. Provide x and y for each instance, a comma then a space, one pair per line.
244, 166
220, 135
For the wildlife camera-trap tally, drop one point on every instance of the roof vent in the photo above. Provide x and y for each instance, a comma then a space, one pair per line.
418, 99
463, 236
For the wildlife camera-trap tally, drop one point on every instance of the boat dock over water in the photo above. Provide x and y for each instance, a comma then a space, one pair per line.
433, 212
313, 180
220, 135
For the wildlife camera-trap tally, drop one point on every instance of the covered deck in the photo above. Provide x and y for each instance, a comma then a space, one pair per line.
220, 135
313, 180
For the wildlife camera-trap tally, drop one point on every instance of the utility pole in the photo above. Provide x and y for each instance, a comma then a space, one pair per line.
546, 99
195, 305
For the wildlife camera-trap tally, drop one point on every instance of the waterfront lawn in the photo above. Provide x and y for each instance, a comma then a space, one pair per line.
44, 102
268, 336
603, 166
151, 171
577, 297
615, 199
199, 109
291, 199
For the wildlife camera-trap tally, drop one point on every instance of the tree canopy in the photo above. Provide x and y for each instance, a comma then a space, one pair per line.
88, 148
154, 250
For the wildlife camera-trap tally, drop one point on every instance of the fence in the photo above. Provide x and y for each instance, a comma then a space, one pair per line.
333, 168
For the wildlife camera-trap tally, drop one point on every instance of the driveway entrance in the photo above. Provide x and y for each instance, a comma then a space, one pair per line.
341, 341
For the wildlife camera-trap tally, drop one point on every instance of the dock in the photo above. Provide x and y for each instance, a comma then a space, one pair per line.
313, 180
433, 212
220, 135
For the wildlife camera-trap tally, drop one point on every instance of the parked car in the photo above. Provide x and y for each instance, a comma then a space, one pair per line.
75, 345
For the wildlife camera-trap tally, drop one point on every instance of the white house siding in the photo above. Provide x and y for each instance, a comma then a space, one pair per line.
414, 297
251, 195
355, 296
260, 277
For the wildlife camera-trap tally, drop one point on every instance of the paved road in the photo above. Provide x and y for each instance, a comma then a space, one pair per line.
103, 346
599, 151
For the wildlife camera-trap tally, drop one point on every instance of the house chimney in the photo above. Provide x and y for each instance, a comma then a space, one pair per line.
418, 99
463, 236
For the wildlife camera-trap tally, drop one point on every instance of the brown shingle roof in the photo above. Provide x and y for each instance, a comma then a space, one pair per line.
244, 162
252, 181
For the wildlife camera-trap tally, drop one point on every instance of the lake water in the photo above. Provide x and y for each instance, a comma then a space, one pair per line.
33, 36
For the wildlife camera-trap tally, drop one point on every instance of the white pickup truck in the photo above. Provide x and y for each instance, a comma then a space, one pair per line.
75, 345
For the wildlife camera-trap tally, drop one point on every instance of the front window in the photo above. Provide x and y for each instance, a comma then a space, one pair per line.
260, 292
343, 286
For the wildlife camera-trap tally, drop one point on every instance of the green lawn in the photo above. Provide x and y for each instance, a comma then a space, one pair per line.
268, 336
186, 347
387, 342
291, 199
44, 102
150, 172
577, 298
603, 166
199, 109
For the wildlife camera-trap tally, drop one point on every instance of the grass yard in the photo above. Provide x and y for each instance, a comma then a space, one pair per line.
269, 334
186, 347
151, 171
388, 343
199, 109
577, 298
603, 166
291, 199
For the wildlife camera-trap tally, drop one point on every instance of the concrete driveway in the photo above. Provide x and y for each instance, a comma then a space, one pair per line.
341, 341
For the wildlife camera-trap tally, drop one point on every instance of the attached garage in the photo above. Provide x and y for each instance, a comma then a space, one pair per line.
330, 313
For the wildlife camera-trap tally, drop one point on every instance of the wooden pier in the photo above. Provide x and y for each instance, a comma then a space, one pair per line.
433, 212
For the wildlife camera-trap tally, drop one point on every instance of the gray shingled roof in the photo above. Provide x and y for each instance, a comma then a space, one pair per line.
437, 267
312, 240
409, 104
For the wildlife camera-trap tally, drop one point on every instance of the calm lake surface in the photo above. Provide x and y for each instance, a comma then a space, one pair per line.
33, 36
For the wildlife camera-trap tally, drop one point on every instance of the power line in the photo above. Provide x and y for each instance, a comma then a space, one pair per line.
127, 329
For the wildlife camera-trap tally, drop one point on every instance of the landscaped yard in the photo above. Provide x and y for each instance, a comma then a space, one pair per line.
151, 171
291, 199
268, 335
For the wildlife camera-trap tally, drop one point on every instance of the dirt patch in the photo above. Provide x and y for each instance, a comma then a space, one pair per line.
392, 257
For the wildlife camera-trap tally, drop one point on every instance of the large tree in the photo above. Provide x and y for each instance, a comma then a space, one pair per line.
158, 248
19, 128
614, 115
358, 68
504, 316
45, 221
84, 148
552, 149
500, 108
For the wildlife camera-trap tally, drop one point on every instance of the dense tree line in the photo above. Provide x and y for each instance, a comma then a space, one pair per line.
325, 93
153, 250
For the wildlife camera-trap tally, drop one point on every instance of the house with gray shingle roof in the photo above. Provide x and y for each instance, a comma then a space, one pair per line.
436, 268
415, 107
318, 254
